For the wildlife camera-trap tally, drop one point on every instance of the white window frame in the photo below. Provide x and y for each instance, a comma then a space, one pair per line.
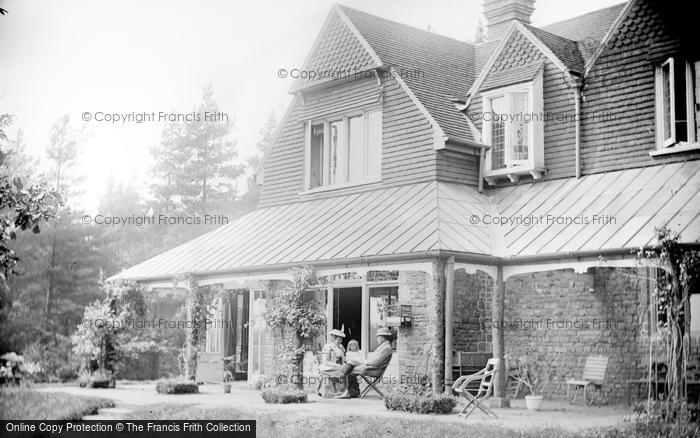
343, 170
534, 165
672, 144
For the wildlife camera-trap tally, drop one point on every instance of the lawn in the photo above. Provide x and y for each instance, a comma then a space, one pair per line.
18, 403
292, 424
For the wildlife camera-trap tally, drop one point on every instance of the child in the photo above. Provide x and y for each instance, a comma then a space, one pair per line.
354, 355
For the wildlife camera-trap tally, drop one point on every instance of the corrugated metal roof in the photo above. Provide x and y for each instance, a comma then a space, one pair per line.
438, 216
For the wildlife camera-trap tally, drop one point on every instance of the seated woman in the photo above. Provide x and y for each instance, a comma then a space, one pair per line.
354, 355
332, 359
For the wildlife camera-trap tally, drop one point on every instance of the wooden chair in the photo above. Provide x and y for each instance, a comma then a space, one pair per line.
485, 377
593, 374
372, 382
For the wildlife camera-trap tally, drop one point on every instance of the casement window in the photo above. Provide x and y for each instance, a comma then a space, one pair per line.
677, 100
514, 128
344, 150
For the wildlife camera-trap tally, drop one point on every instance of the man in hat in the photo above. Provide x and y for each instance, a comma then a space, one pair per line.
373, 366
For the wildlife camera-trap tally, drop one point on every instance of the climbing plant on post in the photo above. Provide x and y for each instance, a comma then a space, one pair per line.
198, 300
298, 317
681, 271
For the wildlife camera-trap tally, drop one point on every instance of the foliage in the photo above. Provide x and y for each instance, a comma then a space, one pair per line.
107, 326
176, 386
21, 403
420, 403
262, 381
15, 366
532, 373
654, 419
99, 378
680, 278
284, 394
194, 163
298, 317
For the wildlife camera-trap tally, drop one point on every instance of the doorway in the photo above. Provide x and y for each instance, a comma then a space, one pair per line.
347, 312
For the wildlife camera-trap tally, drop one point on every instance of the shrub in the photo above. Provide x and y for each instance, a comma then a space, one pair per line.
176, 386
98, 379
284, 394
261, 382
410, 401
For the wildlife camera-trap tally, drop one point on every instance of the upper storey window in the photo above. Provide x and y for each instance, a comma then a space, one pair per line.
513, 127
677, 92
344, 150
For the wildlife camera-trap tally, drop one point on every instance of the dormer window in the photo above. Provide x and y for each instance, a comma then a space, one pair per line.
344, 150
677, 105
513, 127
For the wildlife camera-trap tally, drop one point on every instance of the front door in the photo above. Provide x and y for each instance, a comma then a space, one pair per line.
347, 312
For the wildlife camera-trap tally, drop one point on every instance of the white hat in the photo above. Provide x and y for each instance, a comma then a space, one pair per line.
336, 332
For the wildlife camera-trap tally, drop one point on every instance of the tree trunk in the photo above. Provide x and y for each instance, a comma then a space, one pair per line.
298, 369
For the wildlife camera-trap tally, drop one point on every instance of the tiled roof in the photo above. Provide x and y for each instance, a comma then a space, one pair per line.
566, 50
592, 26
514, 75
337, 52
436, 216
436, 68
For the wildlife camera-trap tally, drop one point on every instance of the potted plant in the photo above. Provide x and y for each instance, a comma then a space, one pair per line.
228, 377
532, 374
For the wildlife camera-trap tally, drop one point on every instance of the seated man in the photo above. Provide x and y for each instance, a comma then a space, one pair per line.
373, 366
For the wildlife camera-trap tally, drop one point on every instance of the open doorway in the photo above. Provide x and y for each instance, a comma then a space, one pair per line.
347, 312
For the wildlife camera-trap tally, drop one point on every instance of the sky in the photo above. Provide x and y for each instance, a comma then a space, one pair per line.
86, 56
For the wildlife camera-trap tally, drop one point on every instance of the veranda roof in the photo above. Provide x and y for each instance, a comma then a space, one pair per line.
546, 219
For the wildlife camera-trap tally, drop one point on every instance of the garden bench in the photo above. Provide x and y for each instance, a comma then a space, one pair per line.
593, 374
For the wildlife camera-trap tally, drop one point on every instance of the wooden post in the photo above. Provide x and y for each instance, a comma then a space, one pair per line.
188, 337
449, 308
498, 309
364, 332
438, 347
329, 312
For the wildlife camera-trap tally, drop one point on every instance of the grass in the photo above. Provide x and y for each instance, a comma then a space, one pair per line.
20, 403
292, 424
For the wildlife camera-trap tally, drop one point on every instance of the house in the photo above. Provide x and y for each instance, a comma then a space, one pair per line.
490, 194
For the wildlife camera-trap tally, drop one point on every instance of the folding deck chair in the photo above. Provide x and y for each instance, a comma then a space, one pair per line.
593, 374
485, 377
372, 382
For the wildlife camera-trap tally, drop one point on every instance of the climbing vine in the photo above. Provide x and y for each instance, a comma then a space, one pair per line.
681, 271
298, 317
199, 299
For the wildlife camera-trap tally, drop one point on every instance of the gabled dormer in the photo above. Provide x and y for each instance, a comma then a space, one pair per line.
524, 103
373, 107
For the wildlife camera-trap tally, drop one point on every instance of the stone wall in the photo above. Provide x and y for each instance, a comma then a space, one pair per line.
559, 318
471, 330
414, 343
